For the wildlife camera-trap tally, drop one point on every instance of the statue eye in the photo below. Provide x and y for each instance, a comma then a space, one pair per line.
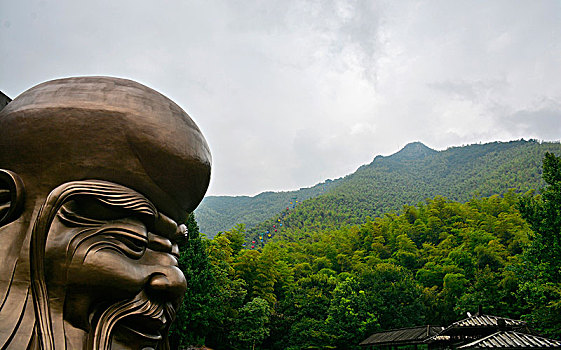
124, 238
88, 211
134, 244
95, 209
129, 231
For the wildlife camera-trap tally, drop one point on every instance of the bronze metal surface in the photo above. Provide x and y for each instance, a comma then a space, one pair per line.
96, 175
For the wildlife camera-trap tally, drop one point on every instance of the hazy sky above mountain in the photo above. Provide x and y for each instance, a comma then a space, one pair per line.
290, 93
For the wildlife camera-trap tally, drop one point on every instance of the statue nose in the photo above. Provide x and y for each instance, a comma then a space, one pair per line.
168, 284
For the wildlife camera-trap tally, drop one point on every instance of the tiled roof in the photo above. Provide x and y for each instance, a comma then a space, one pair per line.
485, 321
480, 324
402, 336
513, 340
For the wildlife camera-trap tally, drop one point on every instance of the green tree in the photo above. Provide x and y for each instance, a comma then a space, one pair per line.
541, 264
237, 237
252, 324
350, 317
192, 324
229, 295
307, 308
395, 297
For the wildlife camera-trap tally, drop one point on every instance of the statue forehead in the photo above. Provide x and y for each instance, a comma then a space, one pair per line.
107, 129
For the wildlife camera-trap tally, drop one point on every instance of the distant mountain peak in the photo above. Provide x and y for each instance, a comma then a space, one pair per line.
409, 176
412, 151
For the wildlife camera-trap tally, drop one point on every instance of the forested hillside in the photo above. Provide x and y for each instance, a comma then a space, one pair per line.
416, 173
330, 288
220, 213
386, 184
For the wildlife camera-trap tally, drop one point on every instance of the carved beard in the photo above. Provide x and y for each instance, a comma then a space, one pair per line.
138, 320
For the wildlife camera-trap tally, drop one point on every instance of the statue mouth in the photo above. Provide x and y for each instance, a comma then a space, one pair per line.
149, 328
137, 323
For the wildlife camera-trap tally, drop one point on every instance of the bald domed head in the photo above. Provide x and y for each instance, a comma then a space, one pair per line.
108, 129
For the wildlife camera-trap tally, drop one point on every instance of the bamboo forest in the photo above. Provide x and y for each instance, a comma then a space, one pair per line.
326, 272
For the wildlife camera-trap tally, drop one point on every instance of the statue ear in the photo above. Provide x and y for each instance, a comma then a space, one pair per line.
12, 196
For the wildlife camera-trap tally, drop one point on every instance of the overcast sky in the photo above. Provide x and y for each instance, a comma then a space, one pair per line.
290, 93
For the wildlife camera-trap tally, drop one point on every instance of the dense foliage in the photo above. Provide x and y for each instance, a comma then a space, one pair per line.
330, 288
405, 178
415, 173
541, 269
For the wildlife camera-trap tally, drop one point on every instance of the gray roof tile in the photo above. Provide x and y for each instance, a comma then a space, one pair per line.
513, 340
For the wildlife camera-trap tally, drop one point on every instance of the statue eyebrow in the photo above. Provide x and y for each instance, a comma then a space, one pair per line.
123, 197
130, 200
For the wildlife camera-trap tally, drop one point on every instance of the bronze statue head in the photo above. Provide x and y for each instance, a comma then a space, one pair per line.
96, 176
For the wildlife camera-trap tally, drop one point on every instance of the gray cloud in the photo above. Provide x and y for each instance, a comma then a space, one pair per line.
289, 93
543, 122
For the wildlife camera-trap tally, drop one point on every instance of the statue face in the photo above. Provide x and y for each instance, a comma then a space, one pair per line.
111, 268
88, 167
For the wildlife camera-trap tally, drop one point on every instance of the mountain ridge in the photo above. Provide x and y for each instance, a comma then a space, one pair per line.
412, 151
387, 183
